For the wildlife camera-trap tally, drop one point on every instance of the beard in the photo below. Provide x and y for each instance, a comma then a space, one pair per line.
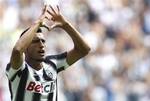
39, 60
36, 59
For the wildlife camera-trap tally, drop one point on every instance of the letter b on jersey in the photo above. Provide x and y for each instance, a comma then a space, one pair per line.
33, 87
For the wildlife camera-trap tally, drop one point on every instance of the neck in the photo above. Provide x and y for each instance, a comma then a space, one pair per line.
37, 65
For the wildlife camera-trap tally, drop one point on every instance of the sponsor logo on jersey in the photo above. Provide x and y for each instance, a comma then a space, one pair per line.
45, 87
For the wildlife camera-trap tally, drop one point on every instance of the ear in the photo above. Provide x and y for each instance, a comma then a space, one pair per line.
26, 51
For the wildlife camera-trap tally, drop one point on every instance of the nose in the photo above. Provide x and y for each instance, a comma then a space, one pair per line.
41, 44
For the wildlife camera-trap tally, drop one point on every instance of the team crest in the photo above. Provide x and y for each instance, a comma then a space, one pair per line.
49, 73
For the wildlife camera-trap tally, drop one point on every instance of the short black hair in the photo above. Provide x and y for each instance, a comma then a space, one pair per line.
38, 31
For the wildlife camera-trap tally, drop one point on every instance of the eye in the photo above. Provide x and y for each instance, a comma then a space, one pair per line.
35, 41
43, 40
38, 40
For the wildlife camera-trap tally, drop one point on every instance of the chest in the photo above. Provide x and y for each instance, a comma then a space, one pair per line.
43, 81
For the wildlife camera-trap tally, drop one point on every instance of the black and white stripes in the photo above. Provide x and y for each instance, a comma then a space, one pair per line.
27, 84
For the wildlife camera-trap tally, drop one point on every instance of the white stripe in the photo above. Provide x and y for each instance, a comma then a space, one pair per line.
15, 85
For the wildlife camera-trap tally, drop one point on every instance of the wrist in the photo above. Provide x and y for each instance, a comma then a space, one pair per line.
39, 22
65, 25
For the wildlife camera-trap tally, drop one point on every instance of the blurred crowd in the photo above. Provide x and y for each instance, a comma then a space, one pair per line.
118, 31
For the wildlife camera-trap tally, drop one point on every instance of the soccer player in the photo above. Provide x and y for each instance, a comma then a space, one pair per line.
33, 75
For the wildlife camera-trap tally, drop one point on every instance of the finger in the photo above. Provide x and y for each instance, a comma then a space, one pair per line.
53, 9
47, 18
44, 10
46, 27
53, 26
42, 17
58, 9
50, 13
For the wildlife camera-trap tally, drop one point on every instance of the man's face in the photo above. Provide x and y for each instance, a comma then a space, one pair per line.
36, 50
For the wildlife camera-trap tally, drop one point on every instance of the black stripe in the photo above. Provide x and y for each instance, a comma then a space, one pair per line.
36, 97
59, 56
50, 97
14, 76
22, 85
10, 89
36, 76
8, 67
60, 69
48, 61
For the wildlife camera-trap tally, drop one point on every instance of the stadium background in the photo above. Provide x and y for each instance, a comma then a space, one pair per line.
118, 67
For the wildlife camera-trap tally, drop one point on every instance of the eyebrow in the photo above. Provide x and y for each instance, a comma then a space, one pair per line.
37, 40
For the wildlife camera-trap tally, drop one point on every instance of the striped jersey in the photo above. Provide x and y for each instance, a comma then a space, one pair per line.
28, 84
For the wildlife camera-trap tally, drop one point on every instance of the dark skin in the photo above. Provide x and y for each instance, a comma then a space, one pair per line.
33, 44
36, 51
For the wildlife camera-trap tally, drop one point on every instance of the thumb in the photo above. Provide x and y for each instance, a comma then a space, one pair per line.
56, 25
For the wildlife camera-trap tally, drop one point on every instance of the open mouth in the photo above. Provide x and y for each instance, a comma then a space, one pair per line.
42, 52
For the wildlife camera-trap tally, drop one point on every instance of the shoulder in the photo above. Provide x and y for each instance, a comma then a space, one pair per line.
58, 56
58, 62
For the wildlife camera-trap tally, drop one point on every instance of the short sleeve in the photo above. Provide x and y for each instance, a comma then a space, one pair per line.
59, 61
11, 73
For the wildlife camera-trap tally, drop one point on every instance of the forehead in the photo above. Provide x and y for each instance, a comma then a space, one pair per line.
39, 36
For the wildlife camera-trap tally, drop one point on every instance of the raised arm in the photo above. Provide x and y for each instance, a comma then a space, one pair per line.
80, 46
23, 42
